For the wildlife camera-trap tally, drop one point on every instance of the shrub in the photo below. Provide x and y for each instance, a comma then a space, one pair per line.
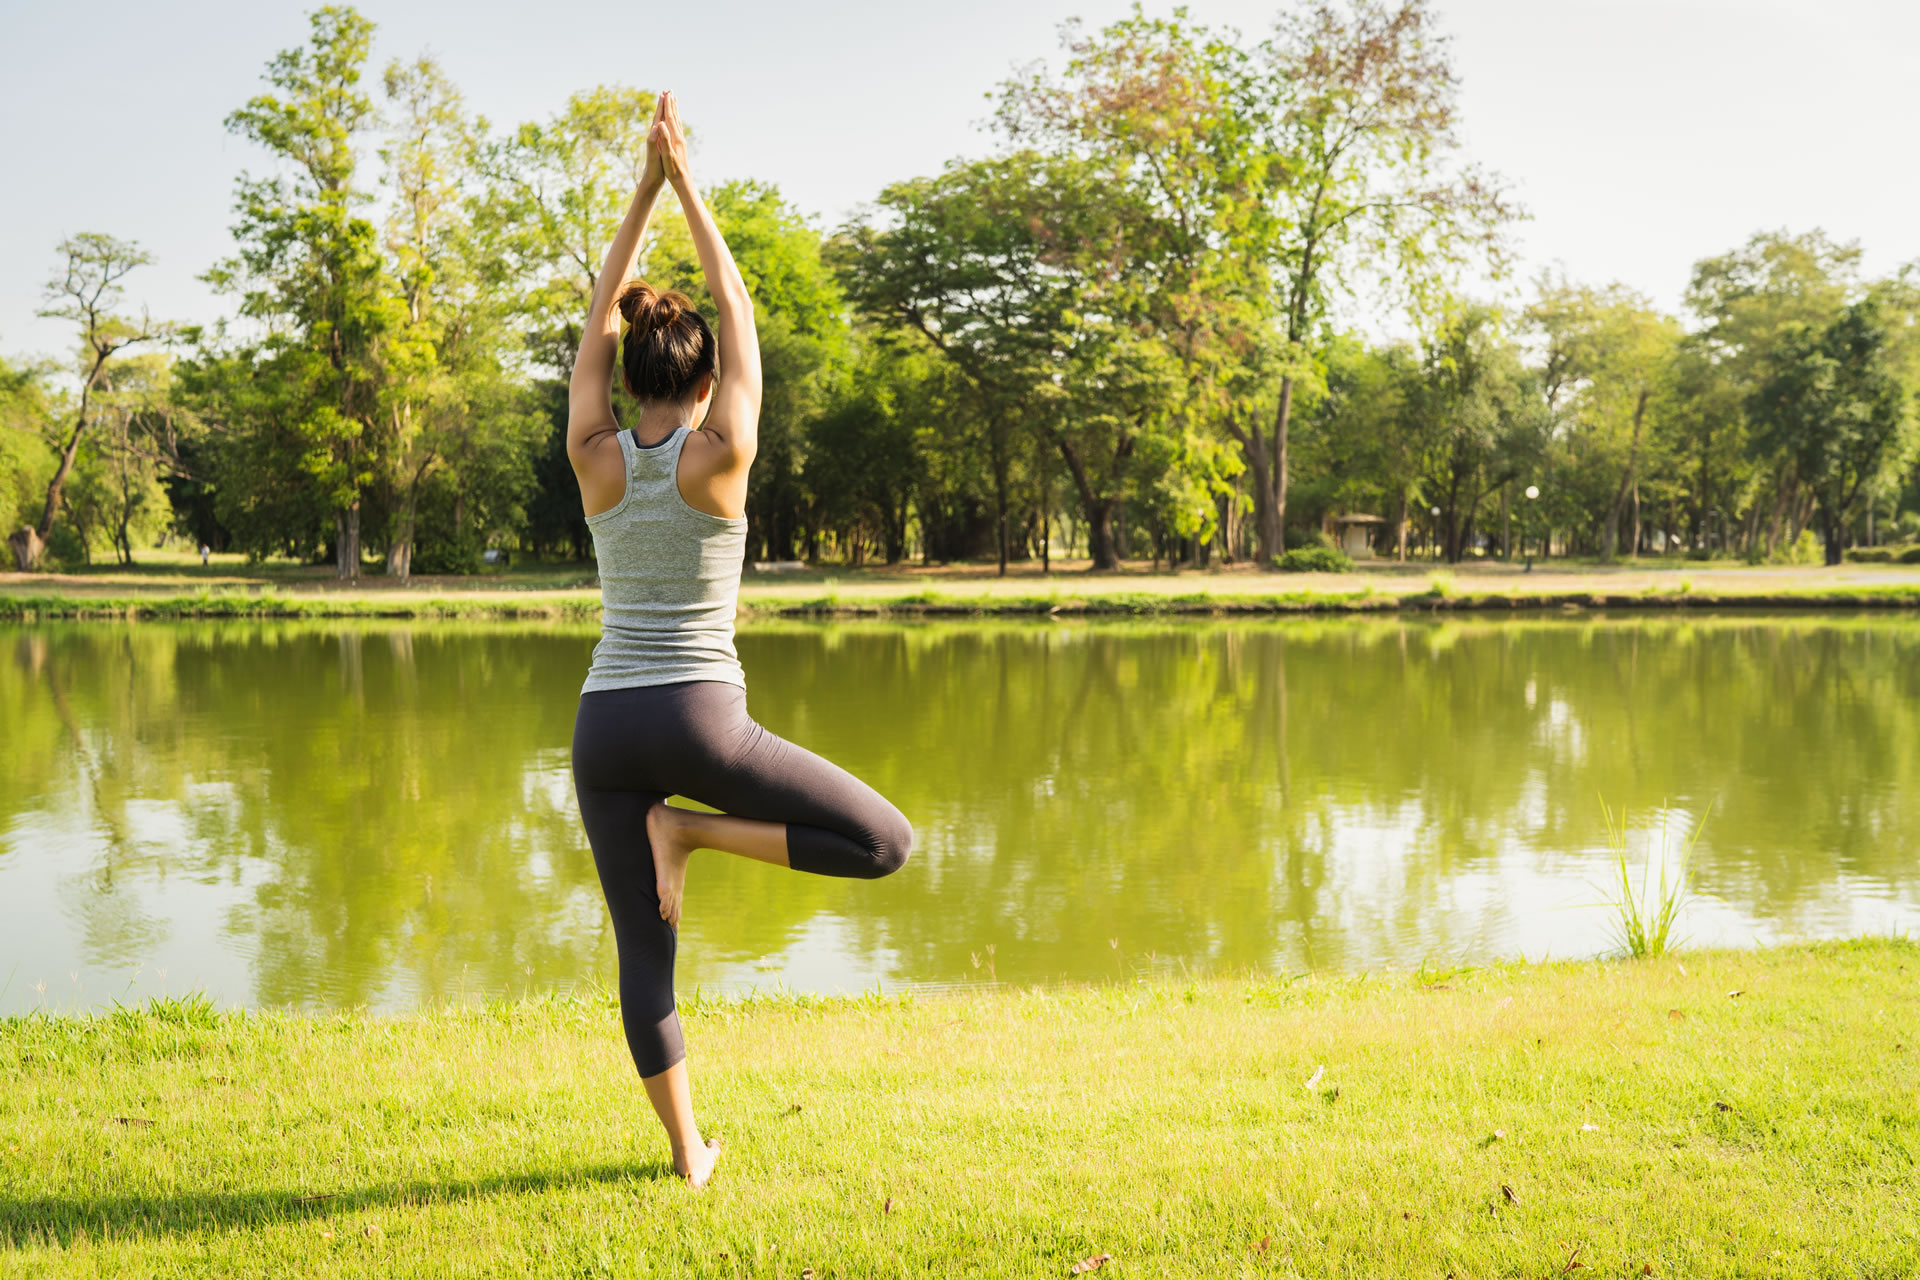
438, 554
1910, 556
1871, 555
1806, 549
1296, 539
1313, 560
66, 550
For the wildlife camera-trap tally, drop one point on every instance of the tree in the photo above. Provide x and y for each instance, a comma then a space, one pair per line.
28, 411
1170, 305
1354, 104
310, 269
1837, 407
1608, 353
971, 263
1358, 445
130, 455
556, 194
1480, 419
862, 466
456, 430
1749, 302
86, 292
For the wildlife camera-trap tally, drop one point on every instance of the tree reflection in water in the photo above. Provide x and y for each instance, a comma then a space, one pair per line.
352, 813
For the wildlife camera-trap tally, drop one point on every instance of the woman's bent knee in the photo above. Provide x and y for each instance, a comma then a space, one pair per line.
893, 845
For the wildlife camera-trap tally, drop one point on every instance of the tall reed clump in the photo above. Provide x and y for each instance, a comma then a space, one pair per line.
1644, 917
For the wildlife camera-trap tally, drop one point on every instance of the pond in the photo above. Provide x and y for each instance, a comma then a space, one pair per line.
337, 814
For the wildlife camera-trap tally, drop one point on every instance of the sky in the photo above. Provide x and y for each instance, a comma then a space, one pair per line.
1640, 135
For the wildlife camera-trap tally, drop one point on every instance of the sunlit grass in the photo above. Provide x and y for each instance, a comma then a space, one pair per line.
555, 596
1722, 1114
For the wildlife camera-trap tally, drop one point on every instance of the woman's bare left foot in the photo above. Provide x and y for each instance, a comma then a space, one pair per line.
672, 847
698, 1167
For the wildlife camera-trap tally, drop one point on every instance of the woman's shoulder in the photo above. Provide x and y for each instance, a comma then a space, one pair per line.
600, 465
712, 478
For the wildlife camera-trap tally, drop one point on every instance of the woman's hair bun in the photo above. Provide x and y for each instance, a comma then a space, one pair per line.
643, 305
668, 347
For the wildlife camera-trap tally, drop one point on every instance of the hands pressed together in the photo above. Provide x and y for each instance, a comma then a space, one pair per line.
666, 145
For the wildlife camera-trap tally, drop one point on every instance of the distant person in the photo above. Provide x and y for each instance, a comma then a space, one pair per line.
664, 708
205, 551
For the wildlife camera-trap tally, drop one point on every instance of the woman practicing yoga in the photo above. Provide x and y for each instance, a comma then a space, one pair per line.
664, 709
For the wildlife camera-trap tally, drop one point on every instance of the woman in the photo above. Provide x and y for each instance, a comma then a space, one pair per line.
663, 712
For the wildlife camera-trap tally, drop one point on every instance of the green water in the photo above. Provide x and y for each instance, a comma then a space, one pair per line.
341, 814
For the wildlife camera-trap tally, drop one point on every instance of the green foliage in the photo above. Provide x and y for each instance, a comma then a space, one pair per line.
1804, 549
1477, 420
27, 409
1313, 560
448, 553
1111, 328
1837, 408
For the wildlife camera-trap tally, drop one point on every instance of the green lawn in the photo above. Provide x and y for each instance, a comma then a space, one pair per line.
1712, 1114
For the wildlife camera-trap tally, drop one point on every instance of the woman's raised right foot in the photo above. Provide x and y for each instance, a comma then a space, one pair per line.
672, 847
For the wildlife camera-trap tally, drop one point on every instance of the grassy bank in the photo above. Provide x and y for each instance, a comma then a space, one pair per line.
1718, 1114
1086, 598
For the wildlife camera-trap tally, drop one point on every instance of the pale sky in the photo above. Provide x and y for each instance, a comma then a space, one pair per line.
1640, 134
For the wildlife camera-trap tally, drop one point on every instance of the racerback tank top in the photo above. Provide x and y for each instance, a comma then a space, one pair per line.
669, 579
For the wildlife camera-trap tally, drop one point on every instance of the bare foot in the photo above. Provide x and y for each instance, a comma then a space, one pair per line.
672, 847
698, 1166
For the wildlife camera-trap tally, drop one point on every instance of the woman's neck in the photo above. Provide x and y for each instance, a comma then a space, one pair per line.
659, 420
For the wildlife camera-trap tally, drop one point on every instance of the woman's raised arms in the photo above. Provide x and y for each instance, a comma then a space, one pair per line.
721, 451
593, 444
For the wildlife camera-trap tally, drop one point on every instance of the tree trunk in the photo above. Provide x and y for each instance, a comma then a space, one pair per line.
1100, 540
1830, 526
1610, 531
1267, 542
1277, 505
28, 548
347, 542
1000, 494
1267, 468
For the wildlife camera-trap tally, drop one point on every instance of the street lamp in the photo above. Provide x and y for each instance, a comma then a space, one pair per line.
1436, 534
1533, 496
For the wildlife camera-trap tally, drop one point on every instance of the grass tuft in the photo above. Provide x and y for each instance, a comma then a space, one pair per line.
1644, 917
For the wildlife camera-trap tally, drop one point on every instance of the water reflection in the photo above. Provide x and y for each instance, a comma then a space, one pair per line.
337, 814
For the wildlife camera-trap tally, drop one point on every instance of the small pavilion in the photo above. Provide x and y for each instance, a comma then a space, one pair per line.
1355, 534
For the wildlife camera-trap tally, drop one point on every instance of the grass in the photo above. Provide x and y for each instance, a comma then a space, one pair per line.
1087, 598
1726, 1114
1644, 917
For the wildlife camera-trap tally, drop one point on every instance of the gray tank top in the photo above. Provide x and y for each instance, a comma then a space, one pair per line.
669, 577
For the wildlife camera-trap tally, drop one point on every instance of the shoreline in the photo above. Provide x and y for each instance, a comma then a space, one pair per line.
1707, 1113
830, 604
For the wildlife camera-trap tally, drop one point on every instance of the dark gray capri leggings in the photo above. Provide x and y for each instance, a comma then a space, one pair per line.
632, 748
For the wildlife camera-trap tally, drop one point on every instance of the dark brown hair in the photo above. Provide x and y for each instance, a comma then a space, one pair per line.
668, 344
